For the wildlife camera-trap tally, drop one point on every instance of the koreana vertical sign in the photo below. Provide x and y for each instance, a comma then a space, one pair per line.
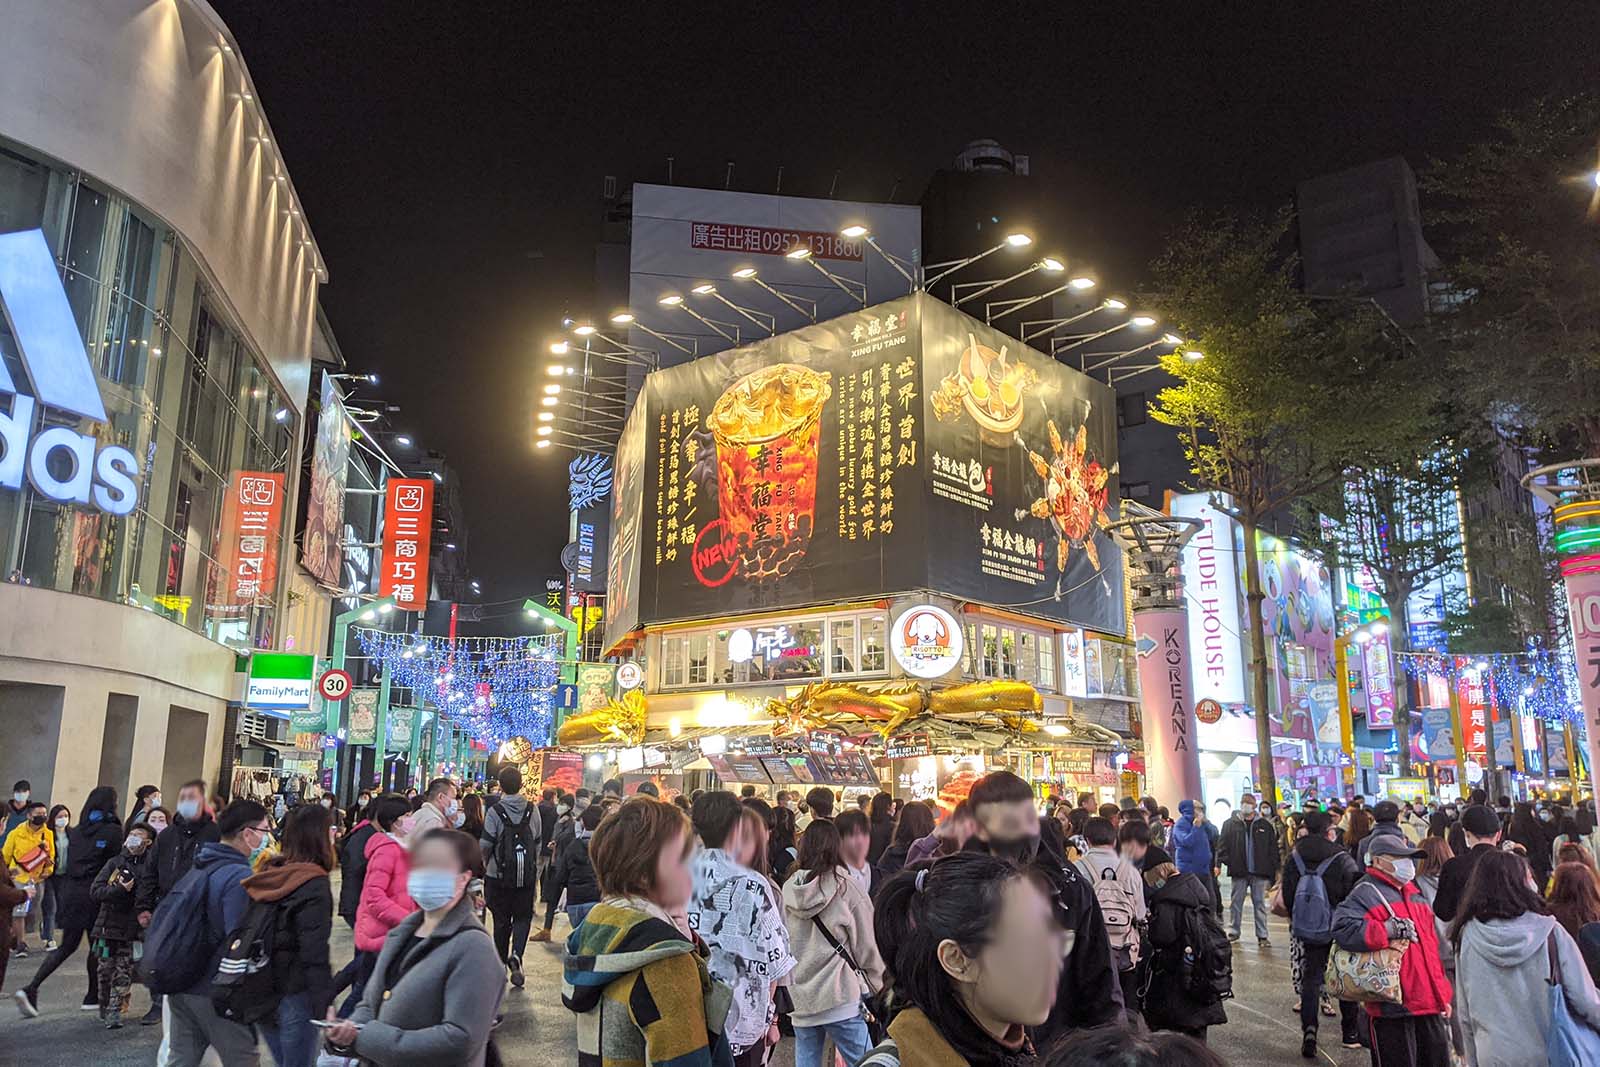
407, 528
1172, 762
1583, 602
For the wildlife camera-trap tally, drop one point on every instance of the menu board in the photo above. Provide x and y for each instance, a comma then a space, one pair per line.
780, 770
738, 768
812, 466
907, 746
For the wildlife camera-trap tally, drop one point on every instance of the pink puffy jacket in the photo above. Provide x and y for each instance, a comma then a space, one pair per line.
383, 895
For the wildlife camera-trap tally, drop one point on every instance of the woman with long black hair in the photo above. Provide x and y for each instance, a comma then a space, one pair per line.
974, 949
914, 822
96, 838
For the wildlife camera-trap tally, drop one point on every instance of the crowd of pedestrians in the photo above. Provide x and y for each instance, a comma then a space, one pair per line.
707, 929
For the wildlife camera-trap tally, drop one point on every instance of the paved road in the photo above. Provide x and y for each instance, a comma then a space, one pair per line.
1262, 1030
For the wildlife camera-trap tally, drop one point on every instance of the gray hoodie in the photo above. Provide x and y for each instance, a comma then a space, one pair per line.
517, 809
1502, 990
822, 985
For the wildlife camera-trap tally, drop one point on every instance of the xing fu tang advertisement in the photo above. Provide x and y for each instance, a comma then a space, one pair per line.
901, 447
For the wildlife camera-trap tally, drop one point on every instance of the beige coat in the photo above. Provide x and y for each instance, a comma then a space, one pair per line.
823, 986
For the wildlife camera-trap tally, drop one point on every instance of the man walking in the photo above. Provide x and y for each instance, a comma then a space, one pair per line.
171, 858
1249, 849
438, 811
512, 830
1317, 878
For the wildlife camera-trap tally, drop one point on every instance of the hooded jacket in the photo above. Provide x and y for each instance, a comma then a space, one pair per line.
1191, 845
1359, 926
93, 841
303, 896
1379, 829
1168, 1003
1340, 877
172, 856
734, 911
518, 810
113, 889
1502, 991
573, 872
642, 992
441, 1010
384, 901
353, 868
822, 985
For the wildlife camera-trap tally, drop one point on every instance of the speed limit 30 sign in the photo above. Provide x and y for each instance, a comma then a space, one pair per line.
334, 684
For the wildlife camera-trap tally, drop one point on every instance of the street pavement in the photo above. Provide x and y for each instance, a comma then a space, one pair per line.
1262, 1028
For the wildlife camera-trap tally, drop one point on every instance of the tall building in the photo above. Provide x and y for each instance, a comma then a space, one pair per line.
160, 283
985, 194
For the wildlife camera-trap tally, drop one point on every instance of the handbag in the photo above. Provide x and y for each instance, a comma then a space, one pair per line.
1366, 977
33, 859
1275, 902
1570, 1041
875, 1028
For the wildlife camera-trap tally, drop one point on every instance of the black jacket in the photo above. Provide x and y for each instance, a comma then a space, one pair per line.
892, 862
89, 846
353, 868
1168, 1004
573, 872
1090, 993
174, 855
302, 897
113, 889
1453, 879
882, 834
1340, 877
547, 824
1232, 852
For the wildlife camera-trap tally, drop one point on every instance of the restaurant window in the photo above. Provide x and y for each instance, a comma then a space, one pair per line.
873, 651
1047, 662
1013, 653
991, 652
777, 651
672, 650
842, 646
699, 659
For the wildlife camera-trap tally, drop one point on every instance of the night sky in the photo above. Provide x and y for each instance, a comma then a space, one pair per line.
450, 155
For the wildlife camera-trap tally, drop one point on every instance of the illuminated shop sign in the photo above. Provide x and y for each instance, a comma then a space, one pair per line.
61, 463
1211, 587
926, 642
768, 643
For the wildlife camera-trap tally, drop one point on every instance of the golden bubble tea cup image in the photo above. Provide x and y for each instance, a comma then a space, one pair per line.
768, 428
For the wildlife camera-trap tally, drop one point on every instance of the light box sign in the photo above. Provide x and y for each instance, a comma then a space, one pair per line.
282, 680
252, 514
407, 532
1378, 683
1211, 587
330, 463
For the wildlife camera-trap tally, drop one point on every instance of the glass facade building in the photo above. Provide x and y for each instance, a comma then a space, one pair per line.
183, 391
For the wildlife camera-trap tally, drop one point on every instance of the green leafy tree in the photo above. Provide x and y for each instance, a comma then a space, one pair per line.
1286, 394
1514, 220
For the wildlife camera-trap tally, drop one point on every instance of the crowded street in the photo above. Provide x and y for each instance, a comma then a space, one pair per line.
782, 536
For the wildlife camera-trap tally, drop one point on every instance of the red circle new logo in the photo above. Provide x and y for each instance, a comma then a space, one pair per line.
715, 558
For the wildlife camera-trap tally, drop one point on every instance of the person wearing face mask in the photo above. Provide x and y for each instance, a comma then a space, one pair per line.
1120, 891
1383, 908
1319, 856
17, 806
173, 856
384, 903
116, 925
1184, 938
1008, 827
1508, 947
146, 798
352, 850
509, 837
96, 837
438, 808
566, 829
1248, 848
60, 821
359, 812
220, 868
639, 986
438, 982
973, 946
29, 853
1527, 829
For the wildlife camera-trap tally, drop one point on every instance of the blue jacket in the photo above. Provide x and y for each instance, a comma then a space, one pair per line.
1192, 845
226, 899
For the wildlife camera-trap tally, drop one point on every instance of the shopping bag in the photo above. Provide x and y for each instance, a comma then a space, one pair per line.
1366, 977
1570, 1041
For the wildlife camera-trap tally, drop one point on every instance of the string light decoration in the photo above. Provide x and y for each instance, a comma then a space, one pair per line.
496, 688
1539, 682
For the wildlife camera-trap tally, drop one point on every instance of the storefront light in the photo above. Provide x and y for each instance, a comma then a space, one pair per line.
597, 762
549, 401
559, 348
715, 745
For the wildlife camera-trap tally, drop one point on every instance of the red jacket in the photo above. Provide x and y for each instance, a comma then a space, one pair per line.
383, 895
1359, 926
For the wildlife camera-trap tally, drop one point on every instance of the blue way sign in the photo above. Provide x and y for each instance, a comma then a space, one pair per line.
566, 697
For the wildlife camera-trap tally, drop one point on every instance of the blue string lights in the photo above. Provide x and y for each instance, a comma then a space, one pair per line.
1539, 682
496, 688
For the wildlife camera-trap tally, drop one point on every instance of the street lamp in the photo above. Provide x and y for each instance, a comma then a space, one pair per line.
802, 254
857, 230
1000, 308
1049, 326
748, 274
761, 319
1049, 263
675, 300
949, 267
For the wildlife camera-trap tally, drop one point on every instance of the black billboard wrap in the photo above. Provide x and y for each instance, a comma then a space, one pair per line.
902, 447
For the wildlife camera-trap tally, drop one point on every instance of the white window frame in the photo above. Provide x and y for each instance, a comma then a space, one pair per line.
1032, 660
682, 646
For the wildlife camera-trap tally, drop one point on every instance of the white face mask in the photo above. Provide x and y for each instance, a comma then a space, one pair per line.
62, 822
1405, 870
158, 825
20, 798
327, 803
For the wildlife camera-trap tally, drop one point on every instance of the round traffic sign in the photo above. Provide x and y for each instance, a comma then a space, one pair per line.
334, 684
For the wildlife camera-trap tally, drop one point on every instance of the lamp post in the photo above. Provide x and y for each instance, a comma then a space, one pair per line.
894, 261
802, 254
1153, 545
950, 266
748, 274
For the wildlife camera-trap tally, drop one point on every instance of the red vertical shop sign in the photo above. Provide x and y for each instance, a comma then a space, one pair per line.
251, 516
407, 526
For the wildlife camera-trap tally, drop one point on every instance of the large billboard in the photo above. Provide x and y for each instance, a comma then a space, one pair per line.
322, 553
903, 446
683, 238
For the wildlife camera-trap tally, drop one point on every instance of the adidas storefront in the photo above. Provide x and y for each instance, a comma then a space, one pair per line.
158, 284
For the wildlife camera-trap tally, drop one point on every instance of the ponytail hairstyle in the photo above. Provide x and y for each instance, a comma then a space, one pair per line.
956, 898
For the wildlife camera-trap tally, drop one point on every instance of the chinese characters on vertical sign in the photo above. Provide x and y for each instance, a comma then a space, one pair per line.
407, 530
877, 429
251, 516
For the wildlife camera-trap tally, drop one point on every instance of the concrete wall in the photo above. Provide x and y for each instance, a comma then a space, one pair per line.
94, 692
152, 97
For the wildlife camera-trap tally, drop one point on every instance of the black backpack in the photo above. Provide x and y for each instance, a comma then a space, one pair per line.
179, 944
516, 850
1207, 956
245, 989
